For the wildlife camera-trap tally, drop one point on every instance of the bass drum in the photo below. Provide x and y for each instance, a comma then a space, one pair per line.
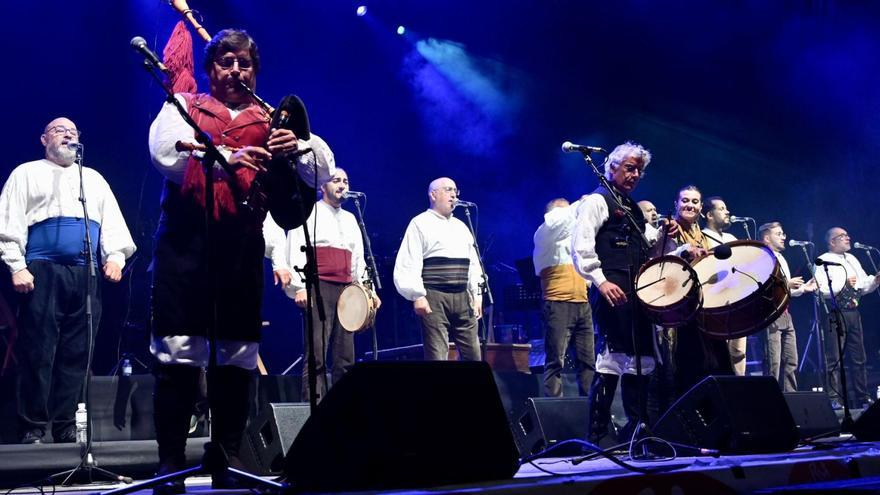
742, 294
668, 291
356, 308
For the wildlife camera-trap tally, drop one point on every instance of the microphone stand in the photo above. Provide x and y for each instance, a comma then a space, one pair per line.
484, 285
836, 327
87, 462
873, 264
816, 327
214, 461
372, 270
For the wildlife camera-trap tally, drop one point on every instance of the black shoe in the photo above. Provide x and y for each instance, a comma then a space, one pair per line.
65, 436
228, 481
171, 466
32, 437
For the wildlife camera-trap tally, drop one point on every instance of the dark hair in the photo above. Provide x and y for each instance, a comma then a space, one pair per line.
765, 229
710, 201
231, 40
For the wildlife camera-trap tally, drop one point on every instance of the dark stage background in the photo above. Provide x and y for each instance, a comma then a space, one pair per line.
772, 105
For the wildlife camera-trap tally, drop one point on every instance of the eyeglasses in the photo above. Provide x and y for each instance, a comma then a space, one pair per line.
449, 189
60, 129
840, 236
228, 62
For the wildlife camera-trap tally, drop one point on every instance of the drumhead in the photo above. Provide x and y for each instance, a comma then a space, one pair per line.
725, 282
353, 308
664, 281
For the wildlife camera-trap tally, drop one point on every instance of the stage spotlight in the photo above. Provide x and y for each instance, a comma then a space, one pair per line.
361, 11
401, 30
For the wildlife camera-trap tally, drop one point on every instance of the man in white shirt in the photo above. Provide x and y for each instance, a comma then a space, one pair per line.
717, 221
649, 211
566, 313
849, 283
781, 339
608, 253
339, 248
42, 232
438, 269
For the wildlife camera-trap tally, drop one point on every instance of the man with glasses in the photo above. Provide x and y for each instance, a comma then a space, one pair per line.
42, 235
849, 283
437, 268
608, 252
339, 246
782, 354
184, 292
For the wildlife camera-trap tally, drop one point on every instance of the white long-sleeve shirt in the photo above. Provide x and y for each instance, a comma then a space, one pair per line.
783, 265
42, 189
711, 235
169, 127
428, 235
276, 244
336, 228
553, 238
850, 266
591, 215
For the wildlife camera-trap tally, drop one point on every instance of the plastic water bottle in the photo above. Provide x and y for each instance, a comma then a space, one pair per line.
126, 367
82, 420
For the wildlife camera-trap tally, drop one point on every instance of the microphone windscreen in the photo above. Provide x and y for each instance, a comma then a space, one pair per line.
722, 251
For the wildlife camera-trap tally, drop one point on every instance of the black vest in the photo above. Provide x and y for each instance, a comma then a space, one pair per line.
617, 244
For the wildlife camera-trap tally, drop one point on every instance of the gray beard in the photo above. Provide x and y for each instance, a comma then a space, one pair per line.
62, 155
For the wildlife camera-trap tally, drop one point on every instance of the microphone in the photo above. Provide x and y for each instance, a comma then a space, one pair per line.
570, 147
465, 204
820, 262
859, 245
353, 194
722, 252
140, 45
291, 114
794, 243
736, 219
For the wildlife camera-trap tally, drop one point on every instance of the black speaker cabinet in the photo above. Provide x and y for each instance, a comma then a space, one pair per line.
731, 414
867, 427
550, 420
269, 436
406, 424
812, 413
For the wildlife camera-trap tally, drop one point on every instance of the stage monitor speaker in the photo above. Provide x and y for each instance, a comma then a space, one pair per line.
388, 425
550, 420
731, 414
812, 413
268, 438
867, 427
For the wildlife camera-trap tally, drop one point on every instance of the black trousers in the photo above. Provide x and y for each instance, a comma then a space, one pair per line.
329, 335
451, 313
853, 345
567, 324
52, 347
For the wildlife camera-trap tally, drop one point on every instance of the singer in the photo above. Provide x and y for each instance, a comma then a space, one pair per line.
608, 253
42, 237
340, 253
437, 268
717, 222
782, 359
849, 283
182, 286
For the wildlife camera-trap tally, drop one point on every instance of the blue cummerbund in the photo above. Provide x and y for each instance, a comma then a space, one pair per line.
61, 240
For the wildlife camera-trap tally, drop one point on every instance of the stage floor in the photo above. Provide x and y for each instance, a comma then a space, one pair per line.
840, 461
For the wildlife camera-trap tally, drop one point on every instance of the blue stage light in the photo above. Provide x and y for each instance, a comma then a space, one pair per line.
401, 30
361, 11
